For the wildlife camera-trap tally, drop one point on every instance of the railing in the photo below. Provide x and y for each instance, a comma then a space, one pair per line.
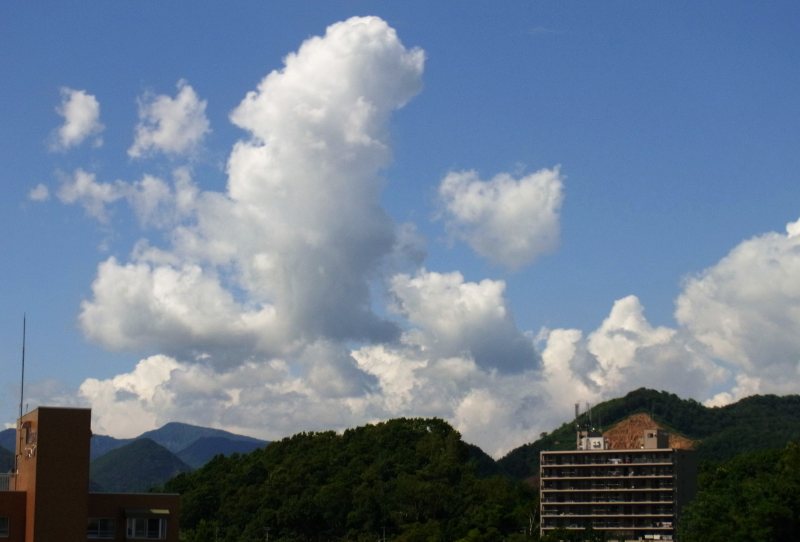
6, 482
615, 457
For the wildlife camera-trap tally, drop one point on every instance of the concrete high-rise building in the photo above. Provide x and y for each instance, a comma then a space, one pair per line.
629, 494
47, 497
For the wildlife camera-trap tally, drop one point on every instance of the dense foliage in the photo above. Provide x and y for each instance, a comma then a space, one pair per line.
405, 479
755, 423
751, 498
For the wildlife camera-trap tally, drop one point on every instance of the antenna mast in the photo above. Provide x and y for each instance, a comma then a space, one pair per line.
22, 380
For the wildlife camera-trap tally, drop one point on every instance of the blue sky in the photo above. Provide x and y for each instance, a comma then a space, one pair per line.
475, 211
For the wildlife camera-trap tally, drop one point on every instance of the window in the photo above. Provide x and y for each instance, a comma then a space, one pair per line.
147, 528
3, 527
101, 528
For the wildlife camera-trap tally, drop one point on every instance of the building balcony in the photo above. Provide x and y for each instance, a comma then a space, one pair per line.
611, 475
608, 524
591, 485
549, 517
605, 499
549, 462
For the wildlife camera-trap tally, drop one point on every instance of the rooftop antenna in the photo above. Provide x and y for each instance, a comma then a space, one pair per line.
22, 380
589, 409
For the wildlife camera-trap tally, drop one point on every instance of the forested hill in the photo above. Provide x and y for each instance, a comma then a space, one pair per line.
412, 479
755, 423
135, 467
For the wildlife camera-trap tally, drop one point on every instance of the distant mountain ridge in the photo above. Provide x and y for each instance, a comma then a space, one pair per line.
8, 439
202, 450
176, 447
152, 458
6, 460
174, 436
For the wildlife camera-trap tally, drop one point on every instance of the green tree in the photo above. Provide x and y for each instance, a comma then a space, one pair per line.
751, 498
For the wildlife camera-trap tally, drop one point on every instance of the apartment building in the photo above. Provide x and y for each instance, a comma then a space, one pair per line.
629, 494
47, 497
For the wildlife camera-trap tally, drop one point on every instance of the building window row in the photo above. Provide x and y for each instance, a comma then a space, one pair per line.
628, 511
146, 528
594, 484
614, 472
626, 523
101, 528
580, 498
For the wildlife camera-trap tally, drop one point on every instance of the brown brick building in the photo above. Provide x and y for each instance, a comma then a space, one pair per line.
47, 498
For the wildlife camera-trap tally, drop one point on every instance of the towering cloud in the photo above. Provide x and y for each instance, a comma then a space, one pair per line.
290, 251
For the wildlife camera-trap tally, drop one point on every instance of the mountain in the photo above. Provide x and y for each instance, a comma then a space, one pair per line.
177, 436
8, 439
199, 452
102, 444
194, 444
137, 464
754, 423
135, 467
6, 460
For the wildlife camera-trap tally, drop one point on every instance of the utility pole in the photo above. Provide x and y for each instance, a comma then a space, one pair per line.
22, 380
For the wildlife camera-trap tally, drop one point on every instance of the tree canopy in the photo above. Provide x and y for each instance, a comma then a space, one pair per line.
754, 497
408, 479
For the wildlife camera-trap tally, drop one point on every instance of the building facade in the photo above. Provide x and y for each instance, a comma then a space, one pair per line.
630, 495
47, 497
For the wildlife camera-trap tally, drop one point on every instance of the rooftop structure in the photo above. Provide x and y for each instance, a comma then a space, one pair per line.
47, 497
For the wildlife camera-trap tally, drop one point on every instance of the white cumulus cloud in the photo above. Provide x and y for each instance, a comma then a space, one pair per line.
81, 112
83, 188
179, 309
509, 221
292, 301
155, 202
170, 125
746, 307
454, 317
134, 397
300, 232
